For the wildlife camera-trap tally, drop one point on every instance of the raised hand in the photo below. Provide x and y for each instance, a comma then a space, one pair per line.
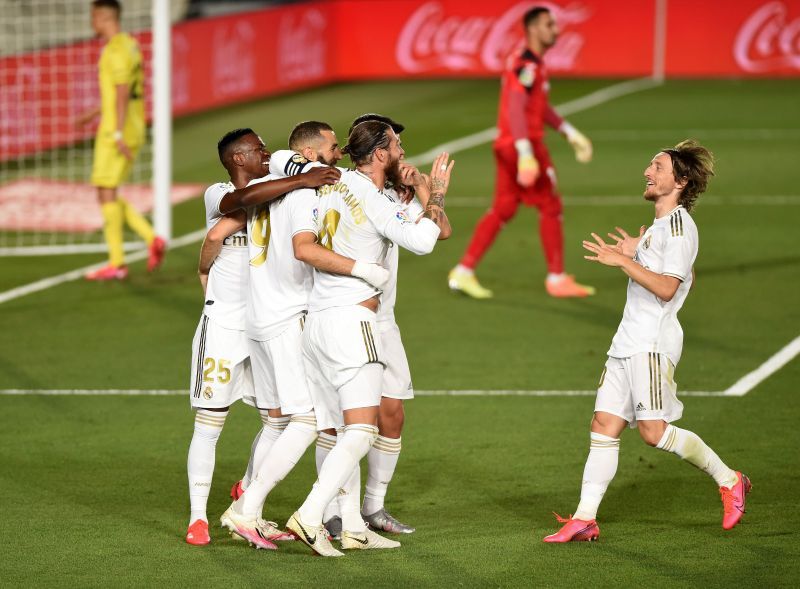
440, 173
320, 176
625, 243
604, 253
411, 176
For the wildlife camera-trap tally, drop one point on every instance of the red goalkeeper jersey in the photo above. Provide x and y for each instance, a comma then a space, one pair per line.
524, 102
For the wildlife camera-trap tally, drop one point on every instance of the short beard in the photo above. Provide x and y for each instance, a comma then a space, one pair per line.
321, 159
393, 175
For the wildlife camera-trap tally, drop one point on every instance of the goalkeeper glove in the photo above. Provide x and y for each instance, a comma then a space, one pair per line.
375, 274
579, 142
527, 166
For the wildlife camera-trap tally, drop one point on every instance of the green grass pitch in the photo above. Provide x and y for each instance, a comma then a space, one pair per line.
93, 490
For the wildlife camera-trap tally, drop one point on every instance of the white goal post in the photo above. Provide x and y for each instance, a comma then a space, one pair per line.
48, 77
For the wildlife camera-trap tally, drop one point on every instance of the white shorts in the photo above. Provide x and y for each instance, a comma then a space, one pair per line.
220, 371
337, 342
397, 375
278, 373
639, 388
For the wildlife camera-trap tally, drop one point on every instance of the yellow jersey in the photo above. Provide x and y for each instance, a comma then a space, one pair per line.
121, 63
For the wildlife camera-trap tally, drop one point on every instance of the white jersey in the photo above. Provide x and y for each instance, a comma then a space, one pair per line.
280, 284
226, 293
669, 246
392, 260
358, 221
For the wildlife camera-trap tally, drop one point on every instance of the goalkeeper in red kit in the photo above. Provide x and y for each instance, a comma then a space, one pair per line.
525, 172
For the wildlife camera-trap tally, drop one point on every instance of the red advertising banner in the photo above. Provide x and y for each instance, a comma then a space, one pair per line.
231, 59
743, 38
438, 38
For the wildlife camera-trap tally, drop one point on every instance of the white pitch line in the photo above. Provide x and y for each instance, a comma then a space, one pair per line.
434, 393
750, 381
77, 274
568, 108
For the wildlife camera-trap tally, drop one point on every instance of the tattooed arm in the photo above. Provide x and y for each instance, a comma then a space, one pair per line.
434, 207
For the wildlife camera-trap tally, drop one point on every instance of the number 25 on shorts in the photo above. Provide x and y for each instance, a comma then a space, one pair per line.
210, 366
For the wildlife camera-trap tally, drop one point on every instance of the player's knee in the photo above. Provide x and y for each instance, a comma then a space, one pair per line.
652, 431
551, 207
505, 210
391, 417
358, 438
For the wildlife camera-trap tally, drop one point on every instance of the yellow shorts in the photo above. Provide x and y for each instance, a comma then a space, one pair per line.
110, 167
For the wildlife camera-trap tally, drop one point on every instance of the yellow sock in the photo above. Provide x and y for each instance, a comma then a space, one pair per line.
137, 222
112, 213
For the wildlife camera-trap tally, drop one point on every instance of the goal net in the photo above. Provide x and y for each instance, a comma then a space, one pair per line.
48, 79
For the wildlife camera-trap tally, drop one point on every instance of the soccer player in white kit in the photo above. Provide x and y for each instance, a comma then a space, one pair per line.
282, 238
220, 372
343, 356
397, 386
637, 387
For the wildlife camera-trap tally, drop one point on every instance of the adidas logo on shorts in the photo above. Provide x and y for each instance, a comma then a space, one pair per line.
640, 407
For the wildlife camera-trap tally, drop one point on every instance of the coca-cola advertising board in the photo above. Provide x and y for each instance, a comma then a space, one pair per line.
743, 38
438, 38
225, 60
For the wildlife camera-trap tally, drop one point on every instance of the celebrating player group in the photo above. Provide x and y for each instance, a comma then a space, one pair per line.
299, 270
299, 273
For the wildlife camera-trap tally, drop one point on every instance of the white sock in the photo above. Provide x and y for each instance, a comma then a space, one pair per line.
465, 270
325, 443
348, 503
273, 428
601, 466
350, 448
382, 460
279, 461
202, 455
692, 449
552, 277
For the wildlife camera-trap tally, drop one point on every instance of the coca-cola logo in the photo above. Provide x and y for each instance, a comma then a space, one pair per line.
431, 39
306, 31
768, 40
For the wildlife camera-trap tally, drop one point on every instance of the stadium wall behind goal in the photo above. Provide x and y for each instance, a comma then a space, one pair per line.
225, 60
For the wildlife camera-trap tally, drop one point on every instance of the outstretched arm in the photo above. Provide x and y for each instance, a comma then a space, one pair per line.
212, 244
661, 285
262, 192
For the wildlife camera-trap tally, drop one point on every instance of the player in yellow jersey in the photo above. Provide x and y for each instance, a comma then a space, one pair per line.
119, 136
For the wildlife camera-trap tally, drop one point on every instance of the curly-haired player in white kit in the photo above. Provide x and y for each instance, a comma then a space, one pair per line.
637, 387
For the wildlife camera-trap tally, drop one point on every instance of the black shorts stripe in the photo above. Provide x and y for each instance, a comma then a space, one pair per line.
369, 344
372, 341
201, 352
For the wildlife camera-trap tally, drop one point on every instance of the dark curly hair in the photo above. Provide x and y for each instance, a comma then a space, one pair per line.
694, 164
